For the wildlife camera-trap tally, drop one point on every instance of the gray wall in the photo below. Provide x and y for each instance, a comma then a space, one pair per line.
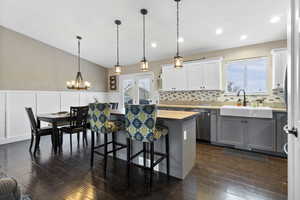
27, 64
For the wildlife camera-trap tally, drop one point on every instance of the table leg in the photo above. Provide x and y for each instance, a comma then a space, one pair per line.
55, 135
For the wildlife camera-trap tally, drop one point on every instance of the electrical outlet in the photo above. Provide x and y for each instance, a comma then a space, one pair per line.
141, 162
184, 135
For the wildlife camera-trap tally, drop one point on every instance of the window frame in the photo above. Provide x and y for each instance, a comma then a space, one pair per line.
265, 93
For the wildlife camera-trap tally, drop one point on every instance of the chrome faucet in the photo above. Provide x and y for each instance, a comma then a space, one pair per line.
244, 101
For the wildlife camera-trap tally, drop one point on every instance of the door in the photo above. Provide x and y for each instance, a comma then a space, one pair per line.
136, 88
293, 101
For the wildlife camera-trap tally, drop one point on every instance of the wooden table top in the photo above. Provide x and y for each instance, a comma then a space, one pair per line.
165, 114
54, 117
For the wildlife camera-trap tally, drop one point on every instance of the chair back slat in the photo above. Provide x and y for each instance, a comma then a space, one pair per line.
79, 116
140, 121
32, 120
114, 106
99, 115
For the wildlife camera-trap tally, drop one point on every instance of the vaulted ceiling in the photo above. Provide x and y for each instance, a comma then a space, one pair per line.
57, 22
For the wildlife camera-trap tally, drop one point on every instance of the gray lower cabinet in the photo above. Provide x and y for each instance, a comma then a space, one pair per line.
260, 134
246, 133
231, 131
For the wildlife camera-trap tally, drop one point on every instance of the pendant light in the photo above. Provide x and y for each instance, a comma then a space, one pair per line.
178, 60
117, 66
144, 66
78, 83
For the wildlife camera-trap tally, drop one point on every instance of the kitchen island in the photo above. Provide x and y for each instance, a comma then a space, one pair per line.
182, 138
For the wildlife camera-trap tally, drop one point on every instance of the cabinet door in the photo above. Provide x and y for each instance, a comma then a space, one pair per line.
195, 74
174, 79
279, 59
260, 134
231, 131
212, 75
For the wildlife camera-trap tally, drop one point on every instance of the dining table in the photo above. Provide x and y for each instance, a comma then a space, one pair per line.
55, 119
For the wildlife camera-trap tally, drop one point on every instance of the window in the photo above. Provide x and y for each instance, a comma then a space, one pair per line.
136, 88
250, 74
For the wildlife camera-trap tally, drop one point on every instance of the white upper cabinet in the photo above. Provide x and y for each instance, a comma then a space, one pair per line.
174, 78
195, 75
212, 75
279, 63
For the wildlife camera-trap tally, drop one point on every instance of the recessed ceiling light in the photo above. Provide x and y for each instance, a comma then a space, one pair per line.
180, 39
243, 37
219, 31
275, 19
153, 44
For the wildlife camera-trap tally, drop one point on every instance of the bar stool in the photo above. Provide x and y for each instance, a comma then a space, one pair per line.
99, 119
141, 126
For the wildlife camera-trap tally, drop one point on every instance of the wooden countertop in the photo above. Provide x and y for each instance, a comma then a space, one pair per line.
206, 107
166, 114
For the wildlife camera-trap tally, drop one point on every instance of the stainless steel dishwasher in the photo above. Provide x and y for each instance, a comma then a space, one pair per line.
203, 126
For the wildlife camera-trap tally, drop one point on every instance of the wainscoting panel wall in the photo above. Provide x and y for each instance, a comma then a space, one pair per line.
14, 122
2, 115
17, 122
69, 99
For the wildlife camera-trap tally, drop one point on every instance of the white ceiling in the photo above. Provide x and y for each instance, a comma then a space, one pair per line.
57, 22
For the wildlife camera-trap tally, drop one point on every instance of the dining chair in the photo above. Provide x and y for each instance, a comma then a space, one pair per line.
77, 124
37, 132
141, 126
99, 119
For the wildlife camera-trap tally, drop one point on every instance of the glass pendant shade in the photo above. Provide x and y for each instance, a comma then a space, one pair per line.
144, 67
78, 83
178, 62
118, 69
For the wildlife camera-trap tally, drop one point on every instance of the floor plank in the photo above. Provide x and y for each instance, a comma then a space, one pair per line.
219, 174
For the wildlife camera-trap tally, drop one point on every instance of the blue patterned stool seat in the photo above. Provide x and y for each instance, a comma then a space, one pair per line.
141, 125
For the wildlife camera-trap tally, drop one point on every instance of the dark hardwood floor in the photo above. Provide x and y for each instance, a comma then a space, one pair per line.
219, 174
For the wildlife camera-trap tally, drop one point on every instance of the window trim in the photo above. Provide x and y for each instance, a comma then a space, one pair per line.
265, 93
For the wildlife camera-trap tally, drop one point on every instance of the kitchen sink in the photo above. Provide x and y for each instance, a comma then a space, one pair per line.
247, 111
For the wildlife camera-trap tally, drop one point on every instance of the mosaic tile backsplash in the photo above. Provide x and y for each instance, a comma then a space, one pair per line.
276, 99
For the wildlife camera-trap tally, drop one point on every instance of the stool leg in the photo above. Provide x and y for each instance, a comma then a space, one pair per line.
151, 162
144, 153
168, 155
128, 159
71, 142
105, 154
37, 143
92, 148
114, 144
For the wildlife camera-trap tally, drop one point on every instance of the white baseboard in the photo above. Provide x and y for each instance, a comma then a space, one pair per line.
14, 139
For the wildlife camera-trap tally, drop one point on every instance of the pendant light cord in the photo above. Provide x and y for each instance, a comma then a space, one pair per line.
117, 45
78, 54
144, 36
177, 28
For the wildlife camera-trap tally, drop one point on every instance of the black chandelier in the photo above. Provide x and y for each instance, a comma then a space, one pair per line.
117, 66
144, 66
78, 83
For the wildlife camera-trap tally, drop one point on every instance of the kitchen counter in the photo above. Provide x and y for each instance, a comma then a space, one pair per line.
182, 141
206, 107
167, 114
